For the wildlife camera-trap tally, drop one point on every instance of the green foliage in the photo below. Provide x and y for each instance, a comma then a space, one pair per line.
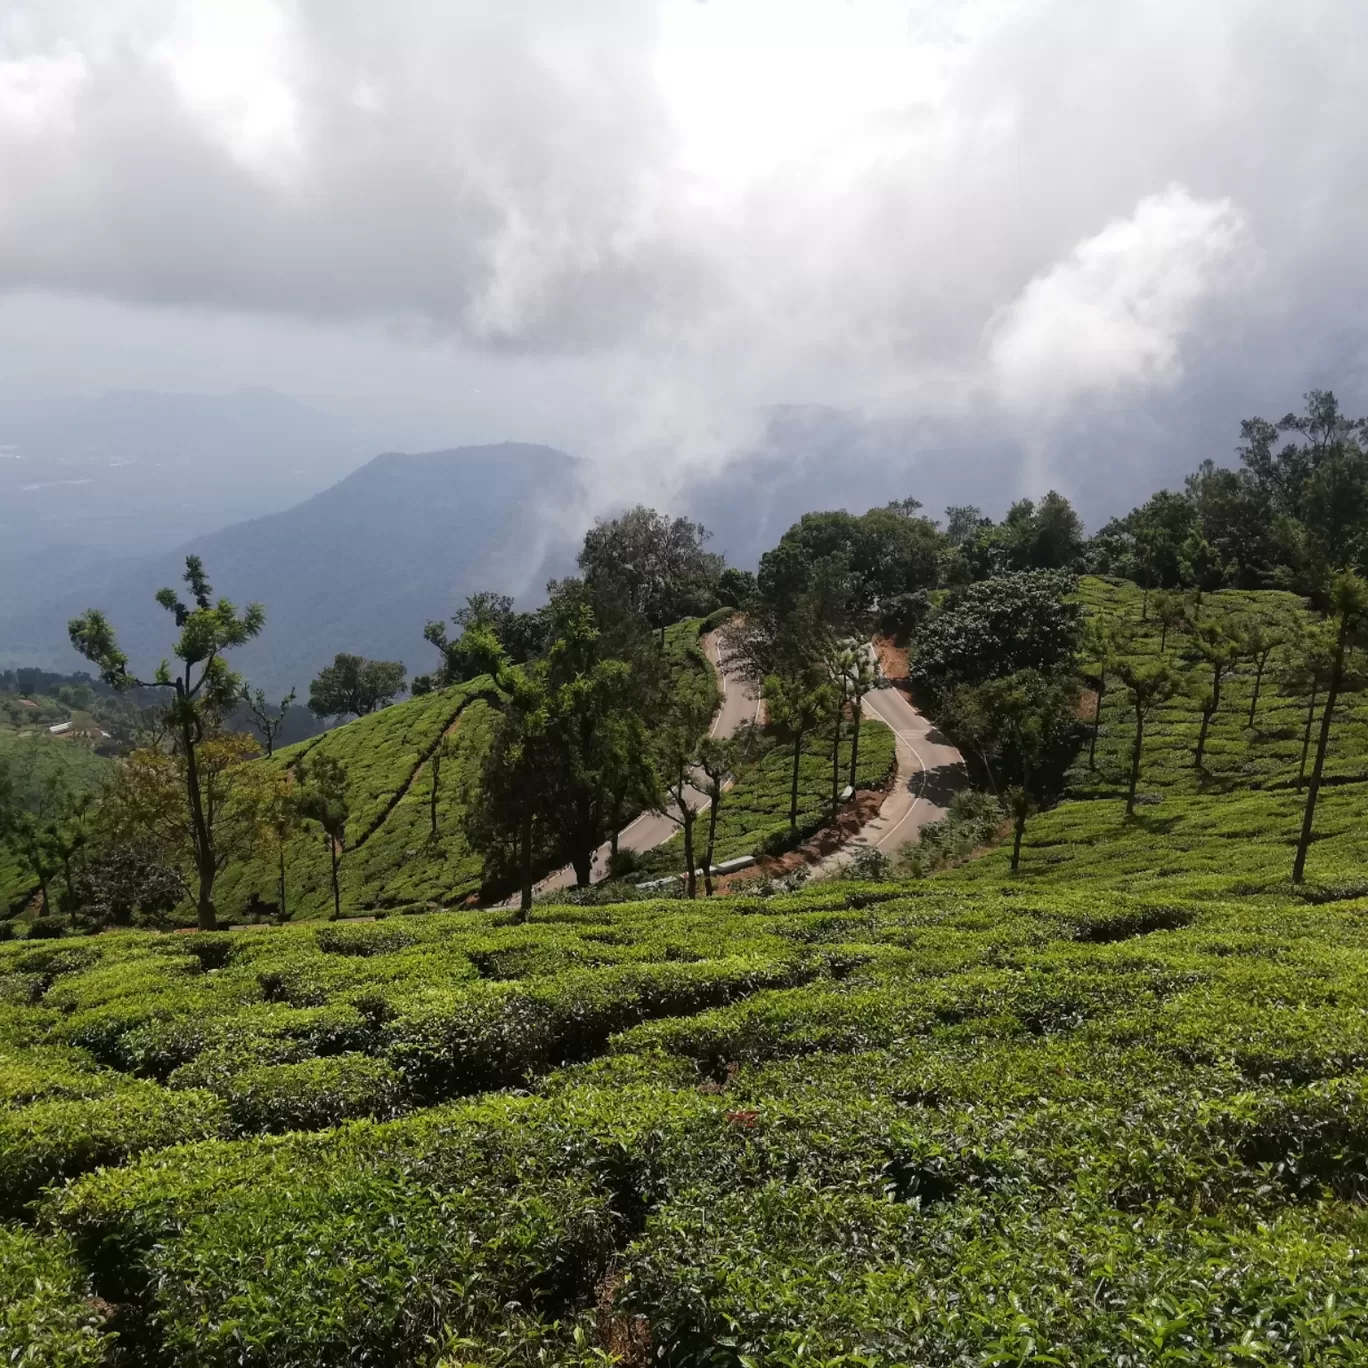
929, 1122
996, 627
46, 1317
355, 686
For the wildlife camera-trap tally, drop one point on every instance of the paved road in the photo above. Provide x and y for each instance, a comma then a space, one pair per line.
929, 771
740, 704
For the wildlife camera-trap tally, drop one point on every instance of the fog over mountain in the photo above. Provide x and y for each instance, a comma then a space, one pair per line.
717, 251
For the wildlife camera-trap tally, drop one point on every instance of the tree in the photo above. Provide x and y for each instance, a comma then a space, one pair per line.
1023, 621
280, 820
1348, 608
1259, 638
269, 721
323, 799
1102, 648
861, 677
202, 691
146, 810
1202, 567
1171, 613
1310, 655
125, 886
1148, 685
678, 753
718, 758
651, 565
356, 686
796, 705
1019, 725
1219, 650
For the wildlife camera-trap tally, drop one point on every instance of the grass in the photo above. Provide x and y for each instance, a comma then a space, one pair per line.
37, 760
919, 1123
1228, 828
392, 860
1113, 1110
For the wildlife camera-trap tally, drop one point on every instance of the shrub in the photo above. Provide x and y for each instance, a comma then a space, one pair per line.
47, 1319
48, 1141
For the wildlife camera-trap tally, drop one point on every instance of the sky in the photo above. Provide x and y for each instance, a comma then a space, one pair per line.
1030, 243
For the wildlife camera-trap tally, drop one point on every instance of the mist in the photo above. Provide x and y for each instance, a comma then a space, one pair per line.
1011, 245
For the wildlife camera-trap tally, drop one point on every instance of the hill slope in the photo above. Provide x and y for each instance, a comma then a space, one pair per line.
1227, 829
359, 567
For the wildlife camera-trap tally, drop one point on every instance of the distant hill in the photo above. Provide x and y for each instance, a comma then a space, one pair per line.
359, 567
130, 473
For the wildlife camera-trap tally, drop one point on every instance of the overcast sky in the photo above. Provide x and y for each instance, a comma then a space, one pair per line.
1079, 239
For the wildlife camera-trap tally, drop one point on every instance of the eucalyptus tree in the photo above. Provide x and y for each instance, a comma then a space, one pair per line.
202, 689
796, 704
1219, 651
1148, 684
1348, 611
323, 799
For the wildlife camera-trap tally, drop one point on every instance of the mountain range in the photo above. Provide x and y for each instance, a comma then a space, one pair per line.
359, 567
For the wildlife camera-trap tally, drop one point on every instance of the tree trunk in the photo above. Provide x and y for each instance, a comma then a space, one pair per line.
582, 862
855, 740
1306, 735
1163, 638
691, 883
793, 791
1258, 684
337, 892
1197, 612
1135, 761
616, 824
280, 886
1322, 742
1016, 842
205, 865
525, 863
836, 769
1201, 737
43, 888
714, 802
436, 778
1097, 722
1144, 602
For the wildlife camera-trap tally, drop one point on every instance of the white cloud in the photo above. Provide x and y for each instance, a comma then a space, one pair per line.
1111, 316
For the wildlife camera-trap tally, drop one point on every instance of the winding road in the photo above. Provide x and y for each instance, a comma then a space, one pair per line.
929, 770
740, 704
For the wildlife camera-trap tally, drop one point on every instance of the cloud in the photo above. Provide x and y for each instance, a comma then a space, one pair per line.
641, 223
1112, 316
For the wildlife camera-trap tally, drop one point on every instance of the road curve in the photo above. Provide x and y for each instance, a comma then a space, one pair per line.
740, 704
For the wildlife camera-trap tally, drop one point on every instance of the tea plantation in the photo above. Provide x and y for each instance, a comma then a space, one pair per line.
1112, 1110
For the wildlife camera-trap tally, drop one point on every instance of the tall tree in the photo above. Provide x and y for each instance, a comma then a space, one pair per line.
269, 721
353, 685
1348, 609
1102, 648
1171, 613
1203, 568
1309, 655
796, 705
678, 748
652, 565
1219, 651
861, 678
718, 758
202, 690
1019, 726
323, 799
1148, 685
146, 810
1259, 638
